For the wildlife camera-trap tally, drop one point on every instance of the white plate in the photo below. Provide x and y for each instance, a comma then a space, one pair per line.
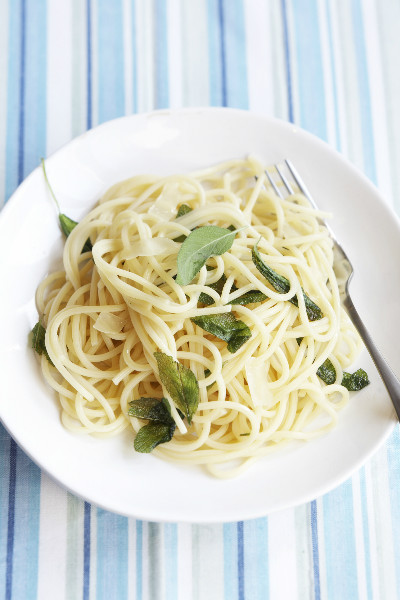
109, 473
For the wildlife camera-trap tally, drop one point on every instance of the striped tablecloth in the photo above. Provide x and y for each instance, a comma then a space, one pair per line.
330, 66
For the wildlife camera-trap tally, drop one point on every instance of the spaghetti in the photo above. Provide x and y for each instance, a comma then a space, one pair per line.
110, 310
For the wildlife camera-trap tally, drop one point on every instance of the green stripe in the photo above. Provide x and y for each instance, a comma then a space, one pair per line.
74, 554
155, 558
304, 564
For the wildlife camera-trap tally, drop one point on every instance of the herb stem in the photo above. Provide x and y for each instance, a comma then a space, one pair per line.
48, 184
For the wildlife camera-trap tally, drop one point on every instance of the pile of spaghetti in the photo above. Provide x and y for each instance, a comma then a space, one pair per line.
202, 311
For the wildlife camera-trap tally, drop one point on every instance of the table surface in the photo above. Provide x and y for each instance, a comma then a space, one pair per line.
332, 67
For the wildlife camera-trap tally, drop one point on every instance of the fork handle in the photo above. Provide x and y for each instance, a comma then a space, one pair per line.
388, 377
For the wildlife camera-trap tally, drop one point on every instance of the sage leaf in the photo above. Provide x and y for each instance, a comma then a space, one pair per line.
217, 286
152, 409
249, 297
38, 340
151, 435
226, 327
282, 285
200, 244
180, 383
183, 210
67, 225
355, 382
327, 372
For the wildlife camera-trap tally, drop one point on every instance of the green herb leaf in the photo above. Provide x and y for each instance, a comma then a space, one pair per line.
226, 327
67, 225
282, 285
327, 372
249, 297
152, 409
217, 286
180, 382
38, 340
355, 382
183, 210
153, 434
200, 244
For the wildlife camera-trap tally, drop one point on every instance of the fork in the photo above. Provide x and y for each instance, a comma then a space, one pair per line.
391, 382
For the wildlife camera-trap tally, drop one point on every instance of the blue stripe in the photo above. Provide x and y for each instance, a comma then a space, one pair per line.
11, 519
364, 104
111, 81
33, 88
340, 550
224, 94
134, 60
240, 559
315, 551
367, 543
171, 561
287, 61
13, 142
233, 54
86, 551
161, 55
216, 62
393, 457
89, 64
310, 75
334, 77
112, 563
256, 559
13, 446
139, 560
26, 528
5, 442
22, 94
230, 533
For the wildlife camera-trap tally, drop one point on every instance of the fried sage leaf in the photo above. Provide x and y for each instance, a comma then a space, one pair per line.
250, 297
180, 383
151, 435
200, 244
247, 298
355, 382
152, 409
38, 340
183, 210
327, 372
217, 286
282, 285
67, 225
161, 427
226, 327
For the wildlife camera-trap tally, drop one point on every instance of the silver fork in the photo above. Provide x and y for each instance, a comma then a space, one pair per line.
389, 379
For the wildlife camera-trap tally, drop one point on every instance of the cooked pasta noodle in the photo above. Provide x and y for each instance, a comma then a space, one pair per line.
108, 312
